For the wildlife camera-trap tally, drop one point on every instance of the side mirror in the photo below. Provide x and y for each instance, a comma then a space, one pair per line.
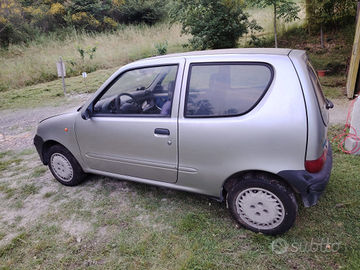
329, 104
86, 114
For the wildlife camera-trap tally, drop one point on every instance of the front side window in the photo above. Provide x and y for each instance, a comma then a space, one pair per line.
226, 89
143, 91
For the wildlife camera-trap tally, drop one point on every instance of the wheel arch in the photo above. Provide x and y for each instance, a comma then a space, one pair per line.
63, 165
46, 147
250, 174
262, 202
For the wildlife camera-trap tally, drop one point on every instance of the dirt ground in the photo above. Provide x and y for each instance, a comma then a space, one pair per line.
339, 113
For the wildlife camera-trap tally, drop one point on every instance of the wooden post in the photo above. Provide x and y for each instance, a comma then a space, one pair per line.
61, 72
63, 76
353, 78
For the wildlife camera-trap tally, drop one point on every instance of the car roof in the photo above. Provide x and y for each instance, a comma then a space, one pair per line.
268, 51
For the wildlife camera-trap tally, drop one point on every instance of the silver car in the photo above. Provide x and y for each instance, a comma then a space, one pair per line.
248, 126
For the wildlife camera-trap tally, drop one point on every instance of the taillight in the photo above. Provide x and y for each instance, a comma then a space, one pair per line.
315, 166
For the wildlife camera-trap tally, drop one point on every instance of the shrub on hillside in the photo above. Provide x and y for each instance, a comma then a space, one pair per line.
20, 20
213, 24
12, 26
141, 11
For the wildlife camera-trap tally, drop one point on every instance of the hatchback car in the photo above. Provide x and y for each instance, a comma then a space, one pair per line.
248, 126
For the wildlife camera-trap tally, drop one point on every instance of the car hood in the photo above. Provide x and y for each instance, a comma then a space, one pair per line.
70, 111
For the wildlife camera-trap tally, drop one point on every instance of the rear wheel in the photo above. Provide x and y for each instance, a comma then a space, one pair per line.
64, 166
262, 205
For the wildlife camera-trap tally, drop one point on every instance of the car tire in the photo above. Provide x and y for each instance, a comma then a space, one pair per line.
263, 205
64, 166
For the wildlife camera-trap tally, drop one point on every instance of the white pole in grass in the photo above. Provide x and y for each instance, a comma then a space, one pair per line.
84, 76
61, 72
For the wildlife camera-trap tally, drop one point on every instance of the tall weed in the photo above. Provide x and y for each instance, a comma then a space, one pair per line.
23, 65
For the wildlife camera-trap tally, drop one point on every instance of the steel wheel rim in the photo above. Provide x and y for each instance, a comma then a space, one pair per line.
61, 166
260, 208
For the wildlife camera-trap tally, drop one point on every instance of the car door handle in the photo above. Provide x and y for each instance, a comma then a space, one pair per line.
162, 131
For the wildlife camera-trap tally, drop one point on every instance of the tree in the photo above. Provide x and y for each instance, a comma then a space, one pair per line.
332, 14
214, 24
283, 9
329, 14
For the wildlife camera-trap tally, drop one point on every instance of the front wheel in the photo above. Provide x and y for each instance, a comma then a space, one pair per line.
262, 205
64, 166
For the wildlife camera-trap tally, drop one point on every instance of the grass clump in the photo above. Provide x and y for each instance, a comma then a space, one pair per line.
334, 86
8, 191
38, 172
29, 189
11, 162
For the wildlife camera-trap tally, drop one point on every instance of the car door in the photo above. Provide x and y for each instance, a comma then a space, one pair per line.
130, 132
216, 115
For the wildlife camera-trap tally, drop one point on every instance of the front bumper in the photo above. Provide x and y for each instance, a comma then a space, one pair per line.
39, 142
310, 185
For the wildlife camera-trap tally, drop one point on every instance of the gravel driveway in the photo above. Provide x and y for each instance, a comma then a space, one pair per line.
18, 127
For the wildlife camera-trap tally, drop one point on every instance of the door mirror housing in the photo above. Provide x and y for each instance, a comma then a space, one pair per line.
86, 114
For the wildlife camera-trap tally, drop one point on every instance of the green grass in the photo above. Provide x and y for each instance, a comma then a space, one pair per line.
29, 189
334, 86
34, 63
51, 93
6, 163
9, 192
38, 172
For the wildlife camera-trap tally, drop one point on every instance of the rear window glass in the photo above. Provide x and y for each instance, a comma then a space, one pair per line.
318, 91
226, 89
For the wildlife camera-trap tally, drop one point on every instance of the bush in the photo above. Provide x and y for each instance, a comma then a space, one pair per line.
213, 24
86, 21
93, 7
12, 26
161, 47
141, 11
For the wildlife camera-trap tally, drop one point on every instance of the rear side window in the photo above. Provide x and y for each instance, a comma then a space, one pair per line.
226, 89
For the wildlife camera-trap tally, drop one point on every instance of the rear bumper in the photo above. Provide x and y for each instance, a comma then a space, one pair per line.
310, 185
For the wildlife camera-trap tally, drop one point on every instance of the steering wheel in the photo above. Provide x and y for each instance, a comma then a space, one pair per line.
149, 102
118, 101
